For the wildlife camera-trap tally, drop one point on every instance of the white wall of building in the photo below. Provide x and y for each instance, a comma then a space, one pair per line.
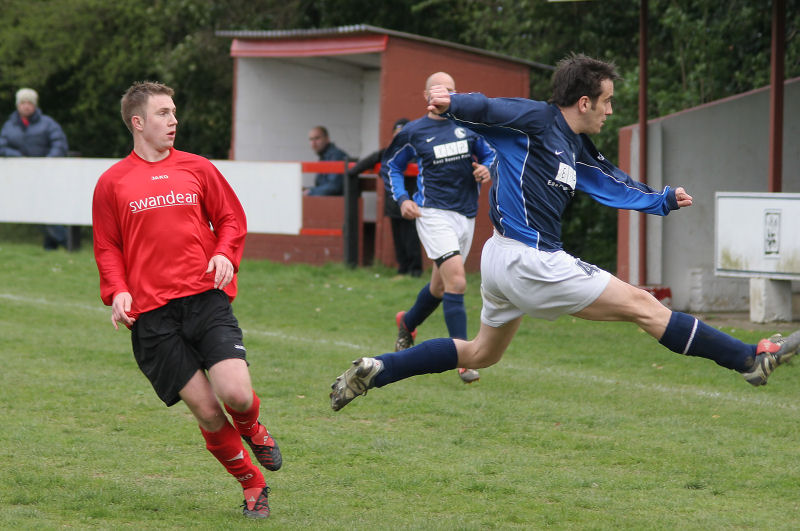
370, 114
722, 146
278, 100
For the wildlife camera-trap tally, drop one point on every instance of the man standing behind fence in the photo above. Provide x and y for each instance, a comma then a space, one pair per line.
30, 133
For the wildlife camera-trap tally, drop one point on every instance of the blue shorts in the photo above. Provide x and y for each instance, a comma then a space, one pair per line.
173, 342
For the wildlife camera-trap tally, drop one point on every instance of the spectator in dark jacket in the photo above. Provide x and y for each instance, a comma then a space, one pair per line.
30, 133
404, 231
326, 183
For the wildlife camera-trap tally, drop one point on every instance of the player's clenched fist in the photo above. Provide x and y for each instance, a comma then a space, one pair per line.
438, 99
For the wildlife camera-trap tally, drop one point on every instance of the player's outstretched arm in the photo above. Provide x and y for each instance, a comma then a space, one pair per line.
683, 199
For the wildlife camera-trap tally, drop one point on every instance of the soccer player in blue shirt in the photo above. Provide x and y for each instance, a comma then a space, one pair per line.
453, 161
544, 155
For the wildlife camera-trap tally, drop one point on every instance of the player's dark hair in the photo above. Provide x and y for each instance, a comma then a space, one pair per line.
134, 101
578, 75
401, 122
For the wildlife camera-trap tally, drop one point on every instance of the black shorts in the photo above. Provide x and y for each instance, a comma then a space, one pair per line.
173, 342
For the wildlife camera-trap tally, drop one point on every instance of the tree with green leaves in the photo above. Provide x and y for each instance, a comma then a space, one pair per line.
81, 54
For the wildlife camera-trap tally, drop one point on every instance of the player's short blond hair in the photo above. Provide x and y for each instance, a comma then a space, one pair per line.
134, 101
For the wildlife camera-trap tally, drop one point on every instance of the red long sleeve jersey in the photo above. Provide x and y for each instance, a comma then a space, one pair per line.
157, 224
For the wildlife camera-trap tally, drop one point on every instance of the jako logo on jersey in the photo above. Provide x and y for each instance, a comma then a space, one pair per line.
167, 200
157, 177
239, 347
460, 132
450, 149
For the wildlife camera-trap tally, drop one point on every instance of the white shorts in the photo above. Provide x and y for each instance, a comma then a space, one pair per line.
517, 279
443, 231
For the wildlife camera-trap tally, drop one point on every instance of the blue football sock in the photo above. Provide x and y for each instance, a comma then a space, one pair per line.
434, 355
690, 336
425, 304
455, 316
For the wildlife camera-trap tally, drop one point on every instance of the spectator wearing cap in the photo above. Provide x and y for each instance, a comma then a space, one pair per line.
30, 133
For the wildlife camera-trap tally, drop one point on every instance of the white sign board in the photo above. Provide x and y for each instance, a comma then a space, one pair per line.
757, 235
53, 190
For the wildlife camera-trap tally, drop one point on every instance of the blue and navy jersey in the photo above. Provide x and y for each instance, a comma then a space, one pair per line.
540, 164
444, 152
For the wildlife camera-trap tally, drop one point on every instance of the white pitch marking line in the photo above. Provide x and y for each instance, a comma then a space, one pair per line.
45, 302
281, 335
665, 389
105, 309
766, 401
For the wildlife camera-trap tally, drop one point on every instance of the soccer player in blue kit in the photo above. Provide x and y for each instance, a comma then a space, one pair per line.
453, 162
544, 155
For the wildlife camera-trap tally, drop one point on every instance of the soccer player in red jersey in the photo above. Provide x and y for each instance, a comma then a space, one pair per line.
168, 238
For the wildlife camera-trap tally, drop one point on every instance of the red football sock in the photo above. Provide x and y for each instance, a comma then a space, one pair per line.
246, 422
226, 446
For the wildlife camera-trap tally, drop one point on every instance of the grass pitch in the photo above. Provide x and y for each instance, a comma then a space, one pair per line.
581, 425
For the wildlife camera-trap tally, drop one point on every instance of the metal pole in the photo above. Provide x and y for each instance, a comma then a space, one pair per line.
776, 97
352, 191
643, 136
